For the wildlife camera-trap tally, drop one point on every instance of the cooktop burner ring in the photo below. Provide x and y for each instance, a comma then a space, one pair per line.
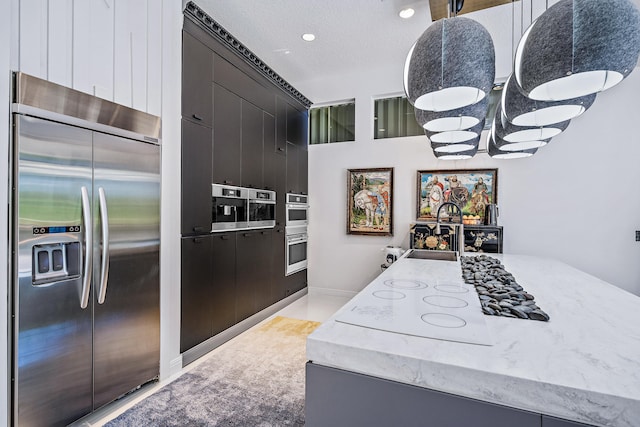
443, 320
445, 301
451, 288
392, 295
405, 284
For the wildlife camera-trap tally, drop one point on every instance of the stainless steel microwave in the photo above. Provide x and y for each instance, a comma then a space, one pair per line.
297, 210
262, 208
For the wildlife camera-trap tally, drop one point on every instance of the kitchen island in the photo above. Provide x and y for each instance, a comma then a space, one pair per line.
582, 366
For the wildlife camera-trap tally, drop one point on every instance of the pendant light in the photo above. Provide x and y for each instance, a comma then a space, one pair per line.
503, 129
459, 119
523, 111
578, 47
497, 153
455, 136
456, 148
462, 155
451, 65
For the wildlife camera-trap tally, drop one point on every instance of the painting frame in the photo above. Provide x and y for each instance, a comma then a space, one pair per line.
466, 189
370, 201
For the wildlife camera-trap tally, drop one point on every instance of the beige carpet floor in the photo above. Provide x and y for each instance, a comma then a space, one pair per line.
257, 379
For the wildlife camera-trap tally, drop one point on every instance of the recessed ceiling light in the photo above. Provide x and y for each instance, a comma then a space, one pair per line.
406, 13
308, 37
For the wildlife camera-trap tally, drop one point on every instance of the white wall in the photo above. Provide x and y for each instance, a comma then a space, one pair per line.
5, 54
575, 200
126, 51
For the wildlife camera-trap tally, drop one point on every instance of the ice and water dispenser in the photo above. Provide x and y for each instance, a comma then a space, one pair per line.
55, 261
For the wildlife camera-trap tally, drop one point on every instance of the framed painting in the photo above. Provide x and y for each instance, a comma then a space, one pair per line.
370, 201
471, 189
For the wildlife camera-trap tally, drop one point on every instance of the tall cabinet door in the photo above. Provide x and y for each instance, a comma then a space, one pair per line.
127, 265
52, 336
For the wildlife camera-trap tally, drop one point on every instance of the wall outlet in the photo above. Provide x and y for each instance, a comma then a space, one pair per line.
637, 235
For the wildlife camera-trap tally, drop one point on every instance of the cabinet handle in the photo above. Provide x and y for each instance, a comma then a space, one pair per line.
280, 149
224, 237
198, 229
197, 240
197, 117
226, 181
247, 234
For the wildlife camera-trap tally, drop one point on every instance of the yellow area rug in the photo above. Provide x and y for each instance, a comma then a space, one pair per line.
256, 379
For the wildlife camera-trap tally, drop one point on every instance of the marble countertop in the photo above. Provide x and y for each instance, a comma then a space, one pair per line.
582, 365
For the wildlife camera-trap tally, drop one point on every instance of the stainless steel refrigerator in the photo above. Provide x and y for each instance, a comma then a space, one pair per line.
85, 240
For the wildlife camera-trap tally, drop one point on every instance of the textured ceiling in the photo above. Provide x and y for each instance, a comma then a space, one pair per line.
351, 35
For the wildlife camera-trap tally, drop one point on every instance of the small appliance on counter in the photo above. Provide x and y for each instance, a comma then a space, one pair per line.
391, 254
491, 214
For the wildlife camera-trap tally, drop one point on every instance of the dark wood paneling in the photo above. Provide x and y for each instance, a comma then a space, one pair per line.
196, 291
197, 159
223, 282
227, 128
252, 146
197, 77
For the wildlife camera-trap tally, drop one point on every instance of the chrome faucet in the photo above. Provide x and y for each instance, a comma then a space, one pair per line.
460, 228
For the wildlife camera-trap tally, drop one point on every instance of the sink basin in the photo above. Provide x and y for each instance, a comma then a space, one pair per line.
434, 255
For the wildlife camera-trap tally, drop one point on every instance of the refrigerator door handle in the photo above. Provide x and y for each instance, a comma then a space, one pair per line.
88, 249
104, 220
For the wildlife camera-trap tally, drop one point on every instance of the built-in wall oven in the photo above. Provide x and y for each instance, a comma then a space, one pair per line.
229, 208
297, 210
296, 249
262, 208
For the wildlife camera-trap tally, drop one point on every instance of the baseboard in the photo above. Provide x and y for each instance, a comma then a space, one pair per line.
205, 347
175, 366
314, 290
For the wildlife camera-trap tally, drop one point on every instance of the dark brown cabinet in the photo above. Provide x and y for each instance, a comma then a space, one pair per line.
293, 183
196, 178
253, 272
303, 170
278, 268
223, 313
252, 146
296, 126
196, 296
208, 291
281, 126
227, 126
236, 122
197, 78
269, 161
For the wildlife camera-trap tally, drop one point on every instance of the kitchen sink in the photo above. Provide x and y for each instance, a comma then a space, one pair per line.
434, 255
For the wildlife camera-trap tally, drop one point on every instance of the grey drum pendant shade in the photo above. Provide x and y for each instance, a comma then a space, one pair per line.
461, 155
451, 65
578, 47
456, 148
458, 119
455, 136
501, 128
523, 111
497, 153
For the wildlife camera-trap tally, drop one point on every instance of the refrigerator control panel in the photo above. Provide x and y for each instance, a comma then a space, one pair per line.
55, 261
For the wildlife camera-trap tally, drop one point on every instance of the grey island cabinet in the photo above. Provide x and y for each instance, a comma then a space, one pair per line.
580, 368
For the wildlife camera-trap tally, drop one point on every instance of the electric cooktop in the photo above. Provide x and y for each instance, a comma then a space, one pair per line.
420, 298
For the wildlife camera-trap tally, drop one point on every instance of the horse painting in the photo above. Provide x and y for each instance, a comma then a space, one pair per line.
368, 202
